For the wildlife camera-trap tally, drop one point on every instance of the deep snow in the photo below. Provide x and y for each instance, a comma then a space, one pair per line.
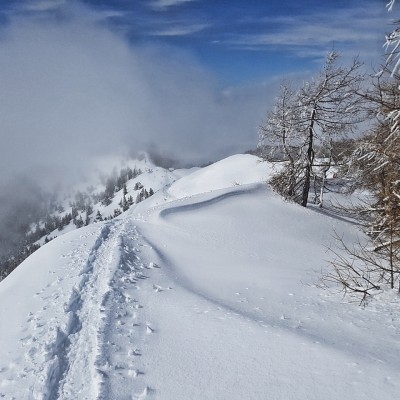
204, 291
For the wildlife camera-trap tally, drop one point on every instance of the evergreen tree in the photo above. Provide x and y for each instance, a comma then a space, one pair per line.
138, 186
125, 204
99, 217
79, 222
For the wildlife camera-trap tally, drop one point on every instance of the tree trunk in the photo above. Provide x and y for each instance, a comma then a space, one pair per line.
391, 257
310, 160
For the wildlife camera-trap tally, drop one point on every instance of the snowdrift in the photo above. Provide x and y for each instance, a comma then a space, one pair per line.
205, 291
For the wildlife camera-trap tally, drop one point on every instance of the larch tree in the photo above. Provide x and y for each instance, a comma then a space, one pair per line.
323, 109
330, 109
279, 140
370, 266
378, 158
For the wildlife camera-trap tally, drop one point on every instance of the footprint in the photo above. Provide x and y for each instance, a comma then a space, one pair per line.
135, 372
149, 329
144, 394
157, 288
135, 352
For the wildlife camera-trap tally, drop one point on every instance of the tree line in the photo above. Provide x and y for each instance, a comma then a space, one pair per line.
54, 216
301, 135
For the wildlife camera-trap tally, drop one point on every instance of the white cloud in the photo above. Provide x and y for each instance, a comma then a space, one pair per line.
43, 5
180, 30
68, 8
354, 29
164, 4
73, 90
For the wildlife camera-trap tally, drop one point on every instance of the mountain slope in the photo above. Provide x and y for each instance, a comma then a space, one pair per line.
203, 291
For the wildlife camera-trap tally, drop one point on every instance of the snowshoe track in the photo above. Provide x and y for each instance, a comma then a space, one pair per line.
92, 348
73, 351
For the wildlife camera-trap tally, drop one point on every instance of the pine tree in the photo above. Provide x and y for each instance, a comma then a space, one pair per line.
140, 196
99, 217
78, 221
138, 186
87, 219
125, 204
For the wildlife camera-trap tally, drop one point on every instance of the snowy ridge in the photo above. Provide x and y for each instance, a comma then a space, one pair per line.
210, 296
199, 201
202, 201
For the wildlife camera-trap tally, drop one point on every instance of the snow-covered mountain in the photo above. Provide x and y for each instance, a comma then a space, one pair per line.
205, 290
110, 188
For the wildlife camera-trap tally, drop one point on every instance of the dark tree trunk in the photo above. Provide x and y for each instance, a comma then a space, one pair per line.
310, 160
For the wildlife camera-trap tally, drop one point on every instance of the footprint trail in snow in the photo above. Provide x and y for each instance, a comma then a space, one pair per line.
92, 349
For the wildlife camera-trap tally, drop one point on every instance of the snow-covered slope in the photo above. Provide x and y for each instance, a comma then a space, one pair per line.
203, 291
235, 170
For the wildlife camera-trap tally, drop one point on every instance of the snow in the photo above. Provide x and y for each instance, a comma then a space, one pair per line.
205, 290
235, 170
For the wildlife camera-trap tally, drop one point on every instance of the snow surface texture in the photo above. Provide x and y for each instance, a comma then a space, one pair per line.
203, 291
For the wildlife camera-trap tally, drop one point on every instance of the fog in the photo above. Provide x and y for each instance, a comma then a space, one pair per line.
73, 90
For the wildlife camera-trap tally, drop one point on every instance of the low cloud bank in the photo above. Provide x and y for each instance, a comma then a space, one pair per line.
73, 90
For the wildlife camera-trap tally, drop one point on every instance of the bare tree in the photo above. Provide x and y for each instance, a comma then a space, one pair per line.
364, 269
279, 141
325, 108
378, 162
330, 108
392, 43
354, 268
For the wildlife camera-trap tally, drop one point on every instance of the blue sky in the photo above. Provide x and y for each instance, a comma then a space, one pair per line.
191, 79
239, 41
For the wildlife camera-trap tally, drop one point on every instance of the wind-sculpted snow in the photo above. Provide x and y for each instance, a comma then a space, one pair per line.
212, 199
244, 260
208, 292
207, 297
239, 169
